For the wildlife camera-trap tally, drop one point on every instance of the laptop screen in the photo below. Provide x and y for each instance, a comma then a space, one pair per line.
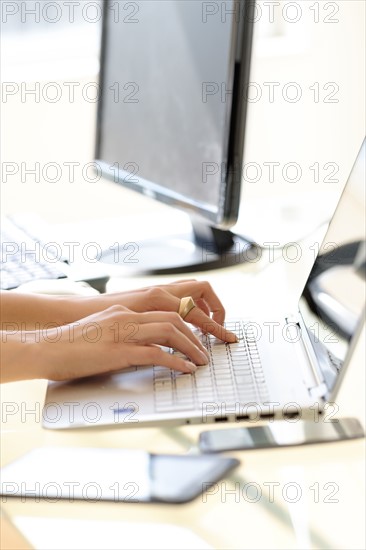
334, 295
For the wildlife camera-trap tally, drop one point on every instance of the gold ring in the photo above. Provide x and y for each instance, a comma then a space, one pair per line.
186, 305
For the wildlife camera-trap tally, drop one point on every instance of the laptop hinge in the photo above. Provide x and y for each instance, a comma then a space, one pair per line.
319, 389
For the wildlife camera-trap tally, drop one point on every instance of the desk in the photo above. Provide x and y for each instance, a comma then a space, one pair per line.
243, 513
318, 491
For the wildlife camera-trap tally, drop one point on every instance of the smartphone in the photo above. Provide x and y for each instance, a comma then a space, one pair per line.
96, 474
280, 434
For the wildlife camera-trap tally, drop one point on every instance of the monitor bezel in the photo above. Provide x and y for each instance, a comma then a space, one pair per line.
227, 211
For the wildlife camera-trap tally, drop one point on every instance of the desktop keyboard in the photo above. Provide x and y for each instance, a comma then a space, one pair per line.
24, 257
234, 375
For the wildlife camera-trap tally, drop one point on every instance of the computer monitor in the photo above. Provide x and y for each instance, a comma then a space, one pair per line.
171, 120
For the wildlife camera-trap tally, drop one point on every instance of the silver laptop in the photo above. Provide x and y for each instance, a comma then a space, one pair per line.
261, 376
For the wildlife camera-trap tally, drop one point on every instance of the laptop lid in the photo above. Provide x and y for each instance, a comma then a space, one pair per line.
332, 302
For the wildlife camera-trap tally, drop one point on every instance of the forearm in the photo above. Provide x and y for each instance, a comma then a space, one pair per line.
19, 357
30, 311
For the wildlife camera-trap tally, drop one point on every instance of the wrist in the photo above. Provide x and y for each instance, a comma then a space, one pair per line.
21, 357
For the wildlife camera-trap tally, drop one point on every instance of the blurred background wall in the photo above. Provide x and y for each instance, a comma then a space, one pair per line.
306, 111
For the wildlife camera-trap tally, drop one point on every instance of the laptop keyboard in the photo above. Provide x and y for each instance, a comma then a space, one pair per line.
233, 375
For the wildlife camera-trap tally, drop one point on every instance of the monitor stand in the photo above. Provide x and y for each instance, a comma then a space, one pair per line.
205, 248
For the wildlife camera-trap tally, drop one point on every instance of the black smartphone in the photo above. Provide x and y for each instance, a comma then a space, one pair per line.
280, 433
93, 474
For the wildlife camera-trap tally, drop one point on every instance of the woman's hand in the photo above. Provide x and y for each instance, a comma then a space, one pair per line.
32, 310
115, 339
167, 298
61, 338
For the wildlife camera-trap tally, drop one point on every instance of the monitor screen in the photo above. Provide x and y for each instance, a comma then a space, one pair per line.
173, 101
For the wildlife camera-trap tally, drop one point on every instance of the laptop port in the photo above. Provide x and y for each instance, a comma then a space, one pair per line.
221, 419
267, 415
242, 417
290, 414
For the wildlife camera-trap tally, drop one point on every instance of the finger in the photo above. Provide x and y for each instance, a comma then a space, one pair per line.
167, 298
153, 355
184, 281
213, 302
151, 299
203, 305
174, 319
201, 290
166, 334
199, 319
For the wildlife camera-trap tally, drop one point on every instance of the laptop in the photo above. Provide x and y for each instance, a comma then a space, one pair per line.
261, 377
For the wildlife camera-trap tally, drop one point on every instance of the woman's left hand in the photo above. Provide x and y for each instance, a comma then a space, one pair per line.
167, 298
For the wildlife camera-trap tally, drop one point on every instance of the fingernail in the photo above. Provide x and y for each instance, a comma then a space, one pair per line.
233, 336
204, 358
191, 366
203, 351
